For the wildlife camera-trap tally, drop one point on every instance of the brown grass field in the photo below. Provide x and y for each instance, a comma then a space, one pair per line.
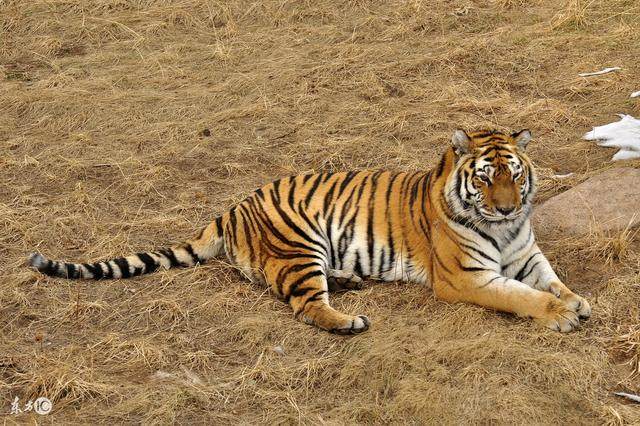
128, 125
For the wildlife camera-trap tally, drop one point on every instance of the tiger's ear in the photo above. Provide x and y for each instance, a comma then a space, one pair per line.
461, 142
522, 138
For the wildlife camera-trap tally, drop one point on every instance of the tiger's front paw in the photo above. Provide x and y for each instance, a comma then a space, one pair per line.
355, 325
559, 316
578, 304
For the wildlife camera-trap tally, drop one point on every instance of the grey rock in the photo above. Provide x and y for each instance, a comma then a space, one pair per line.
606, 202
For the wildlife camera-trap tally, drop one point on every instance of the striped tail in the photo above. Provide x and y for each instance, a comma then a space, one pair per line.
208, 244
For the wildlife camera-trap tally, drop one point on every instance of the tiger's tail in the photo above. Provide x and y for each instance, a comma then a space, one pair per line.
207, 245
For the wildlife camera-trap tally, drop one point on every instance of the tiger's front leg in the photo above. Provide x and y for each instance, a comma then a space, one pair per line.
492, 290
534, 269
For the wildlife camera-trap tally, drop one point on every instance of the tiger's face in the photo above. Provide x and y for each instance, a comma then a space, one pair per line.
493, 179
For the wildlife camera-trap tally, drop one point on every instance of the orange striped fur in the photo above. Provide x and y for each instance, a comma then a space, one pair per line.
463, 228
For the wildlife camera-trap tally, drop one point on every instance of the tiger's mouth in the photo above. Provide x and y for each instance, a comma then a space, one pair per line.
491, 216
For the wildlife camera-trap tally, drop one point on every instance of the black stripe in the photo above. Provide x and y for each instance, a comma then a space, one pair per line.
446, 281
168, 253
490, 281
291, 224
234, 226
346, 205
390, 240
525, 244
413, 196
51, 268
371, 209
292, 194
302, 291
316, 296
483, 134
508, 265
194, 257
95, 270
518, 276
306, 177
425, 229
219, 229
285, 270
470, 268
345, 181
512, 234
441, 165
150, 264
71, 270
486, 256
312, 190
326, 176
530, 270
280, 279
301, 280
457, 236
357, 267
392, 179
467, 179
124, 266
488, 149
345, 239
301, 267
440, 262
332, 249
109, 270
370, 237
342, 247
464, 222
312, 224
283, 253
530, 181
295, 254
247, 215
328, 198
363, 184
382, 266
275, 191
425, 189
258, 212
247, 233
405, 186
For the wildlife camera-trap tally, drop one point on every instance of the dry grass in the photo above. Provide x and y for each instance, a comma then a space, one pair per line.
127, 125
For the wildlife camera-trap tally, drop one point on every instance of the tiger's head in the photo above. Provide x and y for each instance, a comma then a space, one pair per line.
492, 181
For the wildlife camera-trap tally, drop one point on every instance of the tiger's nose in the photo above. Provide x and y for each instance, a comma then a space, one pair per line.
505, 210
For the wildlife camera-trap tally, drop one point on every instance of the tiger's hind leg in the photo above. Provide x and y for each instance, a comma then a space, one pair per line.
343, 281
303, 284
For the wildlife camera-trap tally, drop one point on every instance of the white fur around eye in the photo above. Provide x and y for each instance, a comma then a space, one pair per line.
483, 176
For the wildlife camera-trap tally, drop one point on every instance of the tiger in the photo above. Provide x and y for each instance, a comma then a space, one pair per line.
462, 228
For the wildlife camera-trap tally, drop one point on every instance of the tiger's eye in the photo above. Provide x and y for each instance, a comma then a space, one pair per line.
484, 178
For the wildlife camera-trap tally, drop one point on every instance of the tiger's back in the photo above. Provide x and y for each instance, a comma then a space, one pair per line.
353, 222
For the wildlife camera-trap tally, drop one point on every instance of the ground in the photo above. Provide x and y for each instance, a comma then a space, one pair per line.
128, 125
